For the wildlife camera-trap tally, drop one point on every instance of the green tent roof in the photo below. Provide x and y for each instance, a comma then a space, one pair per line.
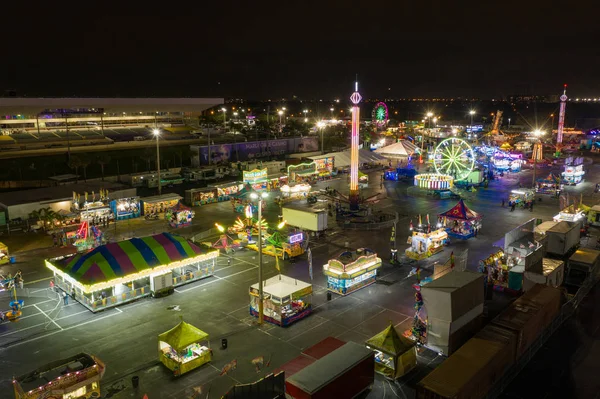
390, 342
182, 335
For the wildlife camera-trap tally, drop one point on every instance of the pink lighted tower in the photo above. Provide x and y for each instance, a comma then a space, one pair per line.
354, 194
561, 117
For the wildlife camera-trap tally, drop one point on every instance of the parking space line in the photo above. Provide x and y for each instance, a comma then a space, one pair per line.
39, 280
49, 318
217, 278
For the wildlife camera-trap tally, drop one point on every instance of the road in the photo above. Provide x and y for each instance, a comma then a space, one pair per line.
125, 338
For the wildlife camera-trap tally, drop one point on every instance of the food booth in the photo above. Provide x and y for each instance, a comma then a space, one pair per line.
126, 208
351, 270
226, 191
77, 376
179, 216
94, 209
424, 244
159, 203
201, 196
395, 355
574, 172
549, 185
325, 166
4, 258
285, 300
184, 348
460, 221
295, 191
521, 197
256, 178
573, 213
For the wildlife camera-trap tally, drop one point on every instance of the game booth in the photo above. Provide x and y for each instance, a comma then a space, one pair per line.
92, 209
573, 213
460, 221
296, 191
395, 355
549, 185
433, 181
302, 172
184, 348
4, 258
159, 203
325, 166
179, 216
521, 197
424, 244
121, 272
126, 208
351, 270
74, 377
226, 191
574, 172
285, 300
201, 196
258, 180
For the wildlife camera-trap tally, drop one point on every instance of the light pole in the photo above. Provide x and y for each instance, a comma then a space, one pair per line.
157, 135
331, 109
305, 118
321, 125
237, 157
280, 123
509, 123
536, 147
260, 199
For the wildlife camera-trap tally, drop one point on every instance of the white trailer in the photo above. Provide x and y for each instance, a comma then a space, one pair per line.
305, 218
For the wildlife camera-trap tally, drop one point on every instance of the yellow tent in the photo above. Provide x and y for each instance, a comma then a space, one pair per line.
395, 355
180, 349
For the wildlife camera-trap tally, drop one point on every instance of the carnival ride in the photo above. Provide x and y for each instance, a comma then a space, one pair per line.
454, 157
380, 115
16, 305
88, 237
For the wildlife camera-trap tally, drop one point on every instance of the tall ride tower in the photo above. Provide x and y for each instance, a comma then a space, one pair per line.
561, 118
354, 194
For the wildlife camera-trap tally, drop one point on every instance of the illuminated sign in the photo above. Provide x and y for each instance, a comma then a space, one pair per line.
255, 175
302, 169
296, 238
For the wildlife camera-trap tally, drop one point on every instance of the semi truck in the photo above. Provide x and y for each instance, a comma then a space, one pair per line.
305, 218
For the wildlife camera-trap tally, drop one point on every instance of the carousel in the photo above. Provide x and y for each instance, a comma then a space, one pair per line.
460, 221
433, 181
550, 184
179, 216
573, 174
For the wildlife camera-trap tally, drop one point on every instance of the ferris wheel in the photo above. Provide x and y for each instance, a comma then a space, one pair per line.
380, 115
454, 157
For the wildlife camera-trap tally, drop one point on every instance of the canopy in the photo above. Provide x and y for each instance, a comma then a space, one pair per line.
549, 179
182, 335
403, 148
179, 208
125, 258
342, 159
390, 342
461, 212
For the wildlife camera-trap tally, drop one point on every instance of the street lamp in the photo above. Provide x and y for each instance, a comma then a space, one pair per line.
305, 118
156, 133
537, 133
472, 113
509, 123
331, 109
320, 126
280, 123
260, 198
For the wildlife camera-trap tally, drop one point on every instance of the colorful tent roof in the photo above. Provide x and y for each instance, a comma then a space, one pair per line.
182, 335
403, 148
179, 207
123, 258
390, 342
549, 179
461, 212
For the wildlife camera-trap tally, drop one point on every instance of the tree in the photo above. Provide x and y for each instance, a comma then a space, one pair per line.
184, 152
75, 163
85, 162
103, 160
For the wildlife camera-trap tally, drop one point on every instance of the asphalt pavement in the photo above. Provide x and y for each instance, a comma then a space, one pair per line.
126, 337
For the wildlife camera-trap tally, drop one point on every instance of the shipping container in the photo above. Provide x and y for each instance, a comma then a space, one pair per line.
453, 295
563, 238
548, 299
468, 374
583, 263
497, 334
343, 373
323, 348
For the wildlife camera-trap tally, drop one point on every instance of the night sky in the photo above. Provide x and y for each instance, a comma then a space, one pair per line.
306, 49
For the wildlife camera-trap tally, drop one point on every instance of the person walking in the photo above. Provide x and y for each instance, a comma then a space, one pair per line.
51, 285
65, 298
74, 294
502, 202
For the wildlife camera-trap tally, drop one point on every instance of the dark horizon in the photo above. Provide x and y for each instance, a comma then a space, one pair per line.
257, 52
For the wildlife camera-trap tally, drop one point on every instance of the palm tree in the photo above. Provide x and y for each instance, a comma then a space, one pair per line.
85, 162
75, 163
103, 160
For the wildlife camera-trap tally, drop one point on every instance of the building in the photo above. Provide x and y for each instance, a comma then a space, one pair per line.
19, 204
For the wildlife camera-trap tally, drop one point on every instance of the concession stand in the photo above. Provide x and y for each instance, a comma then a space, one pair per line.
184, 348
351, 271
423, 244
285, 300
159, 203
126, 208
395, 355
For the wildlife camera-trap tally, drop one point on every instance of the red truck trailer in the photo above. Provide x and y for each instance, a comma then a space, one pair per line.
343, 373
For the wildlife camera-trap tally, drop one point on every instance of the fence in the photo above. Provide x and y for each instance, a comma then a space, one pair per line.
566, 311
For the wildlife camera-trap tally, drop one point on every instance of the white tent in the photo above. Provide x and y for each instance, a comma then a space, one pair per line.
401, 149
342, 158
